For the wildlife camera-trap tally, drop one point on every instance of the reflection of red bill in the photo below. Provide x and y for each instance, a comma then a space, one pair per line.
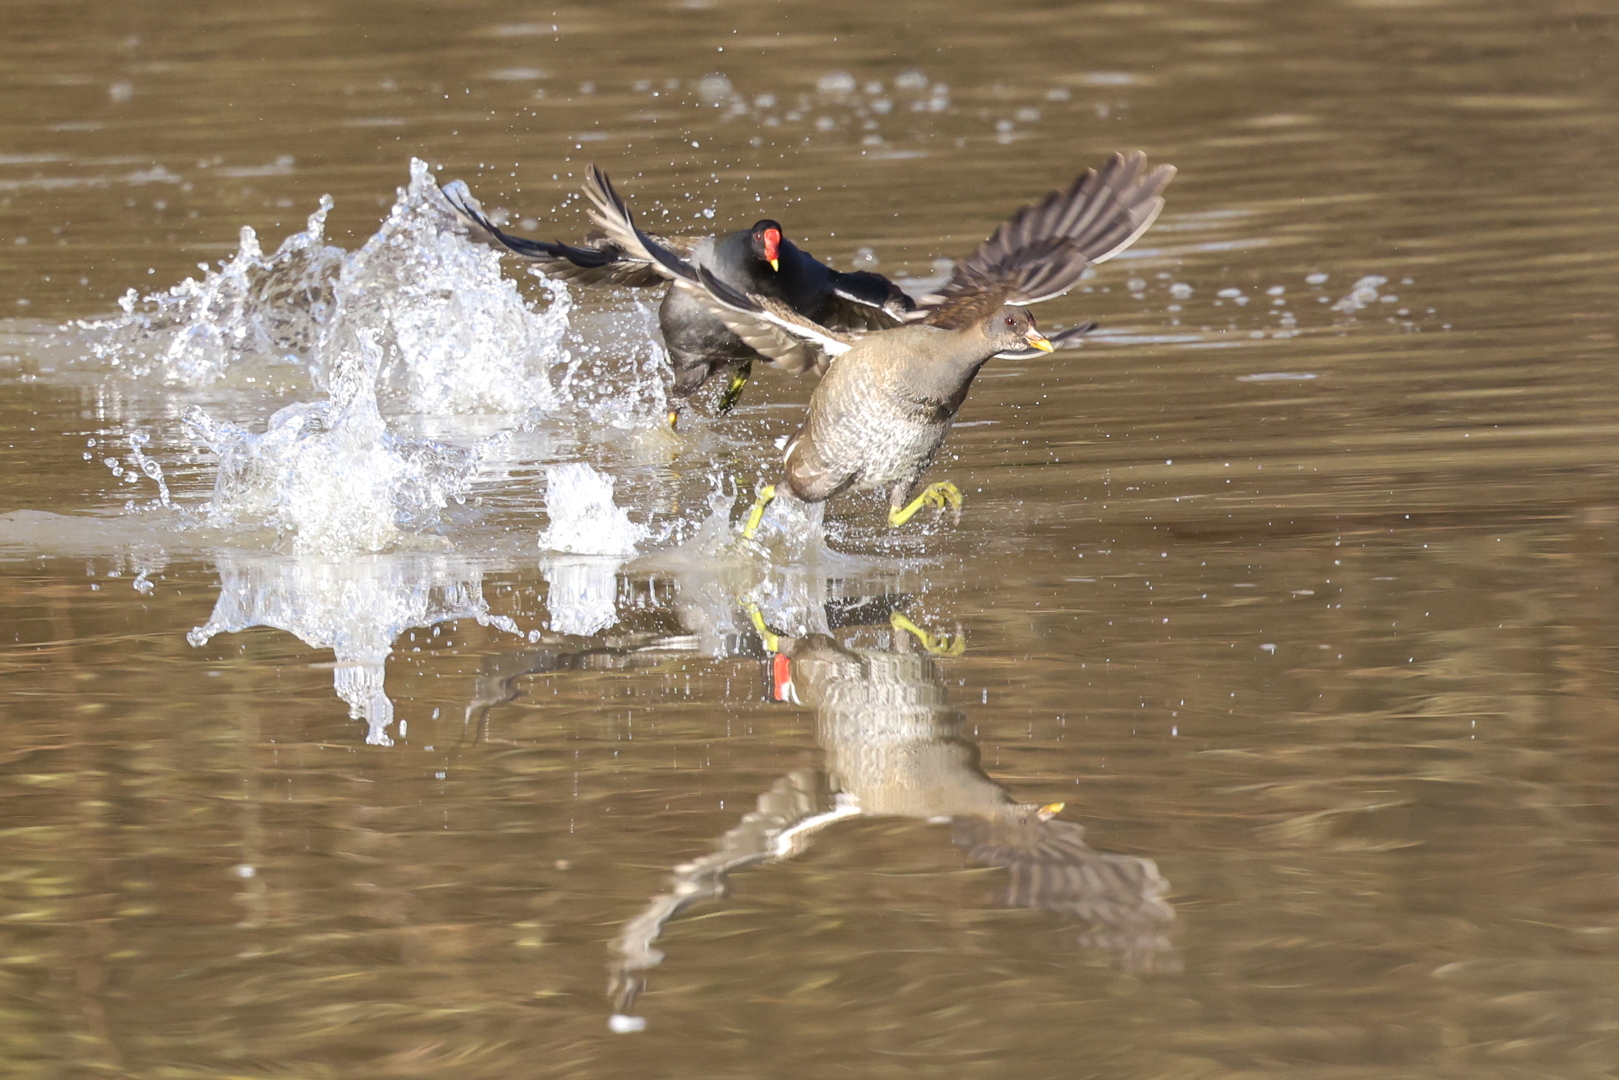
781, 678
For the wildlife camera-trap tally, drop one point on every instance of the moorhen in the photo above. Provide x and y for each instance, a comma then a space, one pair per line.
889, 396
759, 261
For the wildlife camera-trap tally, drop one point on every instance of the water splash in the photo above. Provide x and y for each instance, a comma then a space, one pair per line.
253, 310
582, 593
329, 475
792, 530
356, 608
584, 518
138, 440
457, 337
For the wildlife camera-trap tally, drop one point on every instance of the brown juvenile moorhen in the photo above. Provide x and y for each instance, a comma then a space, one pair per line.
759, 261
889, 397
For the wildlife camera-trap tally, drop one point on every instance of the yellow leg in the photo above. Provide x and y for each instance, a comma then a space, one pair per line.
940, 495
739, 379
757, 514
674, 419
938, 646
772, 641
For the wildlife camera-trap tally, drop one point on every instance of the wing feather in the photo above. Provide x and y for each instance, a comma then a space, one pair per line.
598, 262
1043, 250
765, 324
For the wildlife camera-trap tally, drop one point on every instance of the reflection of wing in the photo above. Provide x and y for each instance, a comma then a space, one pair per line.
796, 806
497, 680
599, 261
1053, 869
1042, 250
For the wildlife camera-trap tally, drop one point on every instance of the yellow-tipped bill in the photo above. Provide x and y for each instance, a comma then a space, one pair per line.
1037, 340
775, 264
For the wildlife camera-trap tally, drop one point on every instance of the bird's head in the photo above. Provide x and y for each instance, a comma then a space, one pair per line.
1013, 328
767, 242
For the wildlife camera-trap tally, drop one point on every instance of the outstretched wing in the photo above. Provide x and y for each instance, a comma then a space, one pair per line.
1043, 250
1051, 868
598, 262
1039, 271
613, 216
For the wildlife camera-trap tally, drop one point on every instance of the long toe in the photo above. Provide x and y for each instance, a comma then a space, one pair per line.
757, 513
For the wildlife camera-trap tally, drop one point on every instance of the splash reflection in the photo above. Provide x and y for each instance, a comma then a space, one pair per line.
356, 607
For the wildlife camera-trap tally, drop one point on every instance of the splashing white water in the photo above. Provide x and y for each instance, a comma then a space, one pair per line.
138, 440
584, 519
252, 309
456, 336
582, 593
356, 608
417, 321
328, 474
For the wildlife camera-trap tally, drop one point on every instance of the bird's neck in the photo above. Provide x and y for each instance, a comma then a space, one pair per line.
953, 362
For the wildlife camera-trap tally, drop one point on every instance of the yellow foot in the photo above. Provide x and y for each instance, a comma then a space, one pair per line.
757, 514
772, 641
674, 419
733, 392
939, 495
938, 646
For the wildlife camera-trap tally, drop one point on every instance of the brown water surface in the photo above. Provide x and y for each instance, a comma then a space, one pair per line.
1301, 603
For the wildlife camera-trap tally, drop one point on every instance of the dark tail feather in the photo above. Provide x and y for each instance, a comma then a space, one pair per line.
459, 196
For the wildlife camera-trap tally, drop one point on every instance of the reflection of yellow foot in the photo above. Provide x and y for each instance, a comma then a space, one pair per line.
939, 495
938, 646
733, 393
772, 641
757, 514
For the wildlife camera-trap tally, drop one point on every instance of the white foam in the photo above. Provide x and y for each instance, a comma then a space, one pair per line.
1363, 294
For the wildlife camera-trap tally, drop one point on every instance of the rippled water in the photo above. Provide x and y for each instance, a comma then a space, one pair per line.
384, 695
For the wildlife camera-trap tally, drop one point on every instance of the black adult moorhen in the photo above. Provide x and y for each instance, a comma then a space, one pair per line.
889, 396
759, 261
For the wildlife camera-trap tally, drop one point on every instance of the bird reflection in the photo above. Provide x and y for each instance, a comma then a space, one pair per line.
893, 745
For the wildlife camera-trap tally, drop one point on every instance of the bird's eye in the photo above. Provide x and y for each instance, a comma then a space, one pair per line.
1011, 321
